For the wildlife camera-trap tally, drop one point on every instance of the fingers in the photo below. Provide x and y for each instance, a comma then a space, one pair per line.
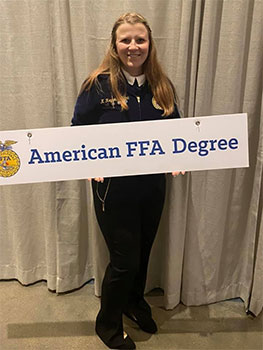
176, 173
98, 179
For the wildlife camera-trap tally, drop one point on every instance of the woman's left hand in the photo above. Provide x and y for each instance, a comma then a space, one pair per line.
176, 173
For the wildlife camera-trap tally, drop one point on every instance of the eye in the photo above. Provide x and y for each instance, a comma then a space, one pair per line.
125, 41
140, 40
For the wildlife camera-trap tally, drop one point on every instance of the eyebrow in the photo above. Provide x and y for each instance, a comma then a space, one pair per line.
137, 36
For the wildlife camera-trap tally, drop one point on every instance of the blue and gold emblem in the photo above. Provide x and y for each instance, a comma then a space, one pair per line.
9, 160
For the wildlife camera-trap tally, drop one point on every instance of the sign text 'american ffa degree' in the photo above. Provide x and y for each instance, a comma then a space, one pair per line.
140, 148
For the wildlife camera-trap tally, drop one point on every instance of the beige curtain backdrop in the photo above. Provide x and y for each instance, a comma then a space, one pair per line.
210, 242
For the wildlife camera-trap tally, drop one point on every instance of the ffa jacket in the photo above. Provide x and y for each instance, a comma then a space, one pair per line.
97, 106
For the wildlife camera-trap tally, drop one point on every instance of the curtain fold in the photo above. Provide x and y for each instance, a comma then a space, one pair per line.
219, 218
210, 241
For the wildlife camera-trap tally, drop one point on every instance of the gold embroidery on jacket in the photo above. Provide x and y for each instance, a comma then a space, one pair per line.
111, 101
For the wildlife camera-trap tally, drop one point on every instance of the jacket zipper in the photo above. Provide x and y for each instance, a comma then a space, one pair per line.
139, 103
103, 199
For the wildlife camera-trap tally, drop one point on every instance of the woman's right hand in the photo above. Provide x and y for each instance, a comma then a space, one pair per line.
176, 173
98, 179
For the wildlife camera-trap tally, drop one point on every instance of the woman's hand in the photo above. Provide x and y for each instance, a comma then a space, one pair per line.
98, 179
176, 173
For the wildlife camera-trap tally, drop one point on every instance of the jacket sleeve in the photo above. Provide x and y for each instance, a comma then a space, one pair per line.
176, 113
86, 110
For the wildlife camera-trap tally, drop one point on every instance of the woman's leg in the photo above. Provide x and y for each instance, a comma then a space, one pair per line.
120, 226
152, 201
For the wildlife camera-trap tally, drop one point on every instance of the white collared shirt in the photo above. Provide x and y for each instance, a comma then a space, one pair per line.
131, 79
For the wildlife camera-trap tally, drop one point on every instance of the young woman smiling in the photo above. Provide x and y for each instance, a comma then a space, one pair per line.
129, 85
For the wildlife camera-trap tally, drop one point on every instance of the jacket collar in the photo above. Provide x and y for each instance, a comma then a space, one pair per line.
140, 78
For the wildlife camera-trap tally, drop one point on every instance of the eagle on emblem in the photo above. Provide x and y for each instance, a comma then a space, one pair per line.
6, 145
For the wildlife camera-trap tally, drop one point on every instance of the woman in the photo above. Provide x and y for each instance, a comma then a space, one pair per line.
129, 85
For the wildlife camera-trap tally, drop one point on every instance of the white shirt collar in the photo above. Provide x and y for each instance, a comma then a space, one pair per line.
131, 79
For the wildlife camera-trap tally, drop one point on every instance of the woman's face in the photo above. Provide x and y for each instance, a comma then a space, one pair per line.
132, 44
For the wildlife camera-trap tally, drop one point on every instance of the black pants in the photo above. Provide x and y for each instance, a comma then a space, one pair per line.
129, 222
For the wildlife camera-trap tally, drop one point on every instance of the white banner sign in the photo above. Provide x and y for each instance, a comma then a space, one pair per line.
79, 152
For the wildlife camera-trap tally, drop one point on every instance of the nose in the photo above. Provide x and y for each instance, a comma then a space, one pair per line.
133, 44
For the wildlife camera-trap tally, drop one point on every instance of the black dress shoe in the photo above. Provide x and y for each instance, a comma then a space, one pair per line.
143, 320
128, 344
113, 337
118, 342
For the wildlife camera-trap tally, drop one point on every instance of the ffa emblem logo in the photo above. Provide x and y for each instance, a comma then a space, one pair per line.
155, 104
9, 160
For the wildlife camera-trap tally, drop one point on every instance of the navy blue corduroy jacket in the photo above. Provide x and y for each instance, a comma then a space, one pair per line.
97, 106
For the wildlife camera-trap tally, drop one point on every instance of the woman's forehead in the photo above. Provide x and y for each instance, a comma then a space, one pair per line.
131, 29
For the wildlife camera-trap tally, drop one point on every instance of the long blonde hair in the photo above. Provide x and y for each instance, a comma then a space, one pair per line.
162, 89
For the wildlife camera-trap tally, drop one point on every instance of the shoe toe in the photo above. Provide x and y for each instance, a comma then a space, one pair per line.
128, 344
148, 325
144, 321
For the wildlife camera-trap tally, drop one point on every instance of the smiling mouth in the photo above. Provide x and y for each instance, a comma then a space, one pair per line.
133, 55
